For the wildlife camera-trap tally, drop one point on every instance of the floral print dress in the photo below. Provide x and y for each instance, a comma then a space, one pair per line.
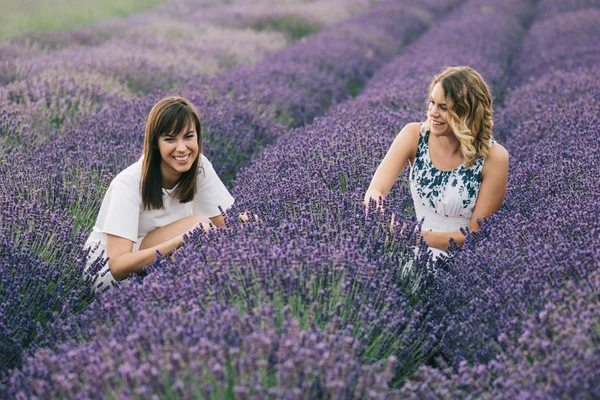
443, 199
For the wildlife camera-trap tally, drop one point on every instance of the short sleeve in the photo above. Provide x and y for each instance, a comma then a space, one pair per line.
211, 193
122, 212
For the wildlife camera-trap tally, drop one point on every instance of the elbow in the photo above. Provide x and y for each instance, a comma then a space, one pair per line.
118, 272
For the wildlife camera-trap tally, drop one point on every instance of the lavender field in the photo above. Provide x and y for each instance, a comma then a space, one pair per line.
300, 101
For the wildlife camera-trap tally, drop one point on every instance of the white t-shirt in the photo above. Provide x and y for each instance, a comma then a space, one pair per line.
122, 214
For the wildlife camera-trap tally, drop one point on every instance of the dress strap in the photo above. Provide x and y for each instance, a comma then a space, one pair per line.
423, 141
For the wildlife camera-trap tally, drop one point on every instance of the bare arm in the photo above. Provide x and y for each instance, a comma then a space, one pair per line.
402, 150
218, 220
122, 261
494, 179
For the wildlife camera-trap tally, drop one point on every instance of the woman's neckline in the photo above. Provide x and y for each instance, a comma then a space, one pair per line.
431, 161
168, 191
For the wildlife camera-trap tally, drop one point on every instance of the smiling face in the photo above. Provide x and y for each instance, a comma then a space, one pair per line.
178, 151
172, 148
437, 111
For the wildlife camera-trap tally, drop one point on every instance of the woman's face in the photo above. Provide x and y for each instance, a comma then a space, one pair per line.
178, 152
437, 111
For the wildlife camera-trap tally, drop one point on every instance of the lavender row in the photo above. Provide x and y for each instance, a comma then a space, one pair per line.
552, 8
347, 144
55, 86
213, 352
409, 83
158, 55
247, 269
294, 19
302, 81
564, 42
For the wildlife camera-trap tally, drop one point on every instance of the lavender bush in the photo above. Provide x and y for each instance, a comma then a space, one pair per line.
37, 267
329, 278
555, 356
55, 96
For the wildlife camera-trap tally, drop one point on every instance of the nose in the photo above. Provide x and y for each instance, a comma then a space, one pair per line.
433, 111
181, 145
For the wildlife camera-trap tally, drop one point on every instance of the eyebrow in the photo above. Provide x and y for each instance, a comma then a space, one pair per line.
172, 135
431, 99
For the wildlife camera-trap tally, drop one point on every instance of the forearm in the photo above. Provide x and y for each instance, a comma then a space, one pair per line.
441, 240
134, 262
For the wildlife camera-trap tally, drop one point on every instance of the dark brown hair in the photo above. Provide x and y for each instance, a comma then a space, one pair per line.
168, 117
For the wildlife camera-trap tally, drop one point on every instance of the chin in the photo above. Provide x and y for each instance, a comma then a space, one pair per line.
438, 132
185, 169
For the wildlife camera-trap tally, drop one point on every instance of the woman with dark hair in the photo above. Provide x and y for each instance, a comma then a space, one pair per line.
150, 206
458, 173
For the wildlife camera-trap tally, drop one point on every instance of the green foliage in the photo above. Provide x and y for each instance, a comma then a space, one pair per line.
291, 26
19, 17
354, 86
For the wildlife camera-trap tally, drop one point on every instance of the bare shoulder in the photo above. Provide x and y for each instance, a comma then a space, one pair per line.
412, 130
497, 155
408, 141
496, 161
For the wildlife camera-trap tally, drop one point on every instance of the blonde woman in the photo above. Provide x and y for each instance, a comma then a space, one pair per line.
458, 173
171, 190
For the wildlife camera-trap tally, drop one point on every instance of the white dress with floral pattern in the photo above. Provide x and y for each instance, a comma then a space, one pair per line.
443, 199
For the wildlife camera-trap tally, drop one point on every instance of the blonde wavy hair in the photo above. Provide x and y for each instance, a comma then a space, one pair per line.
469, 104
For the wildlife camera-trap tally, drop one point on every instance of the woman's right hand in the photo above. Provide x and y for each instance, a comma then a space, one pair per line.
375, 196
